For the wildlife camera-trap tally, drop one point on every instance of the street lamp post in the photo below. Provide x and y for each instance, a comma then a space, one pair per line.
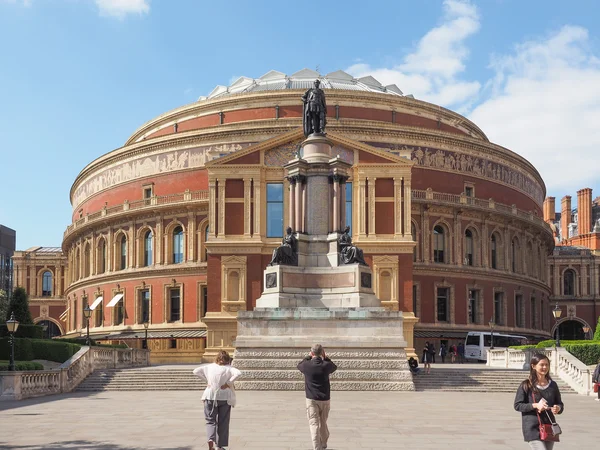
87, 313
492, 333
586, 330
557, 312
12, 325
146, 324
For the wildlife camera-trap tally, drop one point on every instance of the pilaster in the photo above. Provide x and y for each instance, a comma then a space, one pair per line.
247, 206
221, 187
212, 206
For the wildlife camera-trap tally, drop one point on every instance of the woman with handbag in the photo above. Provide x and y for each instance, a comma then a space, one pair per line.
596, 380
538, 400
218, 398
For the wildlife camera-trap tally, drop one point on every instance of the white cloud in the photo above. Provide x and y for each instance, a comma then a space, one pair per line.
120, 8
431, 72
544, 104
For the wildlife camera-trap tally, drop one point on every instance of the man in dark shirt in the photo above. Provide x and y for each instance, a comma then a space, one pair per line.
316, 369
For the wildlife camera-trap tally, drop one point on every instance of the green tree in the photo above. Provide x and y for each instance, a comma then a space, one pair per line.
597, 333
19, 304
3, 304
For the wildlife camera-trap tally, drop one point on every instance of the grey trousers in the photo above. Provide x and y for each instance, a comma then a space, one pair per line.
217, 415
541, 445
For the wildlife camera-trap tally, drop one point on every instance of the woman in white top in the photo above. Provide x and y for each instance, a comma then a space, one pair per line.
218, 398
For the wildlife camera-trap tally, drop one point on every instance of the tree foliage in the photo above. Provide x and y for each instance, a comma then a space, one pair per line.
19, 305
597, 333
3, 304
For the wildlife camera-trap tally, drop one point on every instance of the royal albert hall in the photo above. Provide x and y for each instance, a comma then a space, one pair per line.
171, 232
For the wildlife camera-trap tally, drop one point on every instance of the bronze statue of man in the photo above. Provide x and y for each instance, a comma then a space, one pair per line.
314, 117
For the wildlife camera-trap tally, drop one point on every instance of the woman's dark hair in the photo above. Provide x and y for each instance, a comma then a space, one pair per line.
530, 384
223, 358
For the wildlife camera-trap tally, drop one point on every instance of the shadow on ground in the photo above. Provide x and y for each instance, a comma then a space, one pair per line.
13, 404
89, 445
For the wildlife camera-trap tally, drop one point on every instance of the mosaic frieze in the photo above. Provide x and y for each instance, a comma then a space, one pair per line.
147, 165
280, 156
459, 162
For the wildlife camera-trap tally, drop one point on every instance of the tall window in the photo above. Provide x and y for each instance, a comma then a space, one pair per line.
533, 312
442, 304
494, 252
413, 232
123, 253
348, 217
102, 256
174, 305
438, 244
203, 301
148, 248
144, 307
468, 248
498, 308
519, 322
119, 312
274, 210
177, 245
47, 284
472, 308
569, 282
99, 315
514, 252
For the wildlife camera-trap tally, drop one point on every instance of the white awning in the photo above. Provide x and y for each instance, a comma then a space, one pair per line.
114, 300
96, 302
63, 316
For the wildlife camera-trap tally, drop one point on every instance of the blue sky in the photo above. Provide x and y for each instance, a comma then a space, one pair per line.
77, 77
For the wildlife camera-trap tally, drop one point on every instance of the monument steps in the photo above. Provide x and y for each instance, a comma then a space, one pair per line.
476, 380
143, 379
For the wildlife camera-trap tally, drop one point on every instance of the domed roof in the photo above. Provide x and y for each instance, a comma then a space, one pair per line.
304, 79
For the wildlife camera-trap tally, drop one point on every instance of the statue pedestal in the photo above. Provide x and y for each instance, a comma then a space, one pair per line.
367, 344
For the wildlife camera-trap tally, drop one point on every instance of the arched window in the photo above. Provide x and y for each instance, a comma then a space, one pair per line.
494, 252
413, 232
148, 248
101, 257
123, 252
569, 282
47, 284
177, 245
468, 247
438, 244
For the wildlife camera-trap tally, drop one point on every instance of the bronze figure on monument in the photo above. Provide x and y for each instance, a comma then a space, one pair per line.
287, 253
314, 117
350, 253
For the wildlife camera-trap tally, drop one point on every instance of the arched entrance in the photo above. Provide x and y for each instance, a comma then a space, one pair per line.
51, 329
570, 329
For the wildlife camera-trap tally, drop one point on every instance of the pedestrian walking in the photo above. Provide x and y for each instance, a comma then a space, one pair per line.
461, 352
432, 351
453, 353
443, 352
427, 358
218, 398
316, 368
596, 380
538, 400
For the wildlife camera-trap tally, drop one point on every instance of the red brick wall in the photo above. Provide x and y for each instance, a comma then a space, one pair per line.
364, 157
234, 218
234, 188
250, 158
384, 217
214, 285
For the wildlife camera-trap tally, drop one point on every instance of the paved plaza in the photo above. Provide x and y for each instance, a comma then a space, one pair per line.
276, 420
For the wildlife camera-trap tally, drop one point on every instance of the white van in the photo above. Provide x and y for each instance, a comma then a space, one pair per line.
478, 343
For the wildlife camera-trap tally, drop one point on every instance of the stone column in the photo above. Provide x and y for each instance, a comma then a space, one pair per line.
292, 203
398, 228
58, 281
247, 206
372, 181
221, 187
212, 214
407, 208
458, 240
109, 263
336, 204
302, 210
342, 223
158, 241
191, 236
257, 207
362, 213
485, 240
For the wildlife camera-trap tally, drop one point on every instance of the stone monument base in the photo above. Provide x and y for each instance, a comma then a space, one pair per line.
367, 344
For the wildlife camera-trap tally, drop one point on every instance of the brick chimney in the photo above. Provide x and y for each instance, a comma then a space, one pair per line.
584, 211
550, 209
565, 216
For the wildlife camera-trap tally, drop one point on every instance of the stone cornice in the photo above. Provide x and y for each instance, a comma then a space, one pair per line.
292, 98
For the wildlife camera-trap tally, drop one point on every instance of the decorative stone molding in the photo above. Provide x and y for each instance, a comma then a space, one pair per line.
233, 284
385, 269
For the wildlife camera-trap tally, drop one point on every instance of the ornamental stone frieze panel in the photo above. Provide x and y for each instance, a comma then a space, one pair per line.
467, 164
156, 163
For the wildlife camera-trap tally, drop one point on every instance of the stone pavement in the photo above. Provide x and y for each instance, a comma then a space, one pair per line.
276, 420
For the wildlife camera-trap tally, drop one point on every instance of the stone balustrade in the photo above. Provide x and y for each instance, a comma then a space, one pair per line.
562, 363
37, 383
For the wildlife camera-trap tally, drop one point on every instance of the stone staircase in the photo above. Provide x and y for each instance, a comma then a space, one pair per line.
157, 378
476, 379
